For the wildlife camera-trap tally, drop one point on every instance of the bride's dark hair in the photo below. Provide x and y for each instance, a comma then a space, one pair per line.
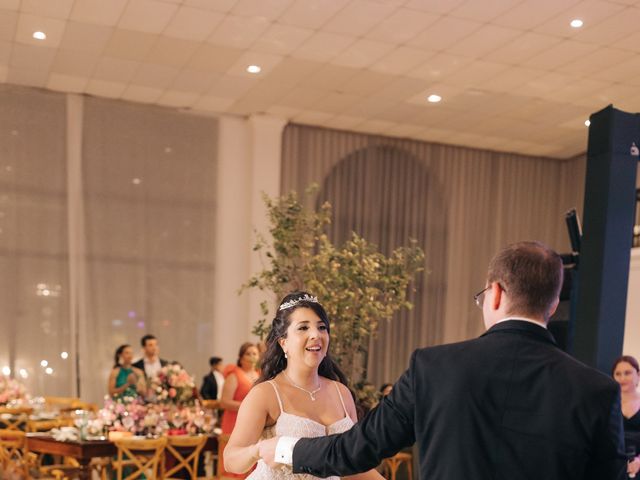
273, 361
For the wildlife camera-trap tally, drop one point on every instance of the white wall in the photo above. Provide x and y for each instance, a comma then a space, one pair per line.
632, 322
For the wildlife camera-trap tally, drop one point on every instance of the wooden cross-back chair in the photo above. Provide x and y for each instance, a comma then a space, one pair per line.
46, 425
186, 451
139, 457
14, 418
13, 452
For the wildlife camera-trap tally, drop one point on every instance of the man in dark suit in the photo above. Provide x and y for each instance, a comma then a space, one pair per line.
150, 362
508, 405
212, 382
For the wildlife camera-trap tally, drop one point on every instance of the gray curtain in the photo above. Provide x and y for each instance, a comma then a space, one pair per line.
461, 205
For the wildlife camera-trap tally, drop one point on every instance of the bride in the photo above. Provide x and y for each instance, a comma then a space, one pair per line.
301, 392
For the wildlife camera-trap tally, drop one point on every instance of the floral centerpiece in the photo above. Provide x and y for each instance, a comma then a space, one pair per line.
172, 384
130, 414
11, 390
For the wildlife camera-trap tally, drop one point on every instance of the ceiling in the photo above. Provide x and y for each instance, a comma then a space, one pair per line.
513, 74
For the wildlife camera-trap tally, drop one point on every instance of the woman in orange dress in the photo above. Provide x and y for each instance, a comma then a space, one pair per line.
239, 379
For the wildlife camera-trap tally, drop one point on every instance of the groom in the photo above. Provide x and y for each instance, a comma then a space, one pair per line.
507, 405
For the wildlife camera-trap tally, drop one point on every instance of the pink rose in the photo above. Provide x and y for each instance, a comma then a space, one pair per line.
172, 392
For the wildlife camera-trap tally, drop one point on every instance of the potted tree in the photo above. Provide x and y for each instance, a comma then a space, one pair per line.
357, 285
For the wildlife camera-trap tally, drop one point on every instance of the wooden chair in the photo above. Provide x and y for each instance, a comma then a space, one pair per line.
78, 405
87, 406
392, 464
45, 425
14, 418
223, 439
211, 404
13, 451
186, 451
139, 457
58, 403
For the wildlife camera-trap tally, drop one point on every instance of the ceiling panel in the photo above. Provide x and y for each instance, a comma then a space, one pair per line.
512, 73
98, 11
444, 33
401, 26
193, 24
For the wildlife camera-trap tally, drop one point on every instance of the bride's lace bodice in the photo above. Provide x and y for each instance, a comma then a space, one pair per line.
300, 427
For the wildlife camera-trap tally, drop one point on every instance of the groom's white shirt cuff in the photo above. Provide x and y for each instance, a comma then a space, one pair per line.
284, 450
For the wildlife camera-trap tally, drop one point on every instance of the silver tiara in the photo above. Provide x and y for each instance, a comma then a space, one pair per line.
292, 303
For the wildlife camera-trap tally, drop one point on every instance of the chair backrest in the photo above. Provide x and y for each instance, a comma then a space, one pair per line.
14, 418
140, 457
60, 402
223, 439
211, 404
80, 405
12, 447
186, 451
44, 425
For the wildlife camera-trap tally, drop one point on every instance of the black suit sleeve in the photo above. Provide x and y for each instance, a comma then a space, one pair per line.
381, 434
209, 390
140, 365
608, 460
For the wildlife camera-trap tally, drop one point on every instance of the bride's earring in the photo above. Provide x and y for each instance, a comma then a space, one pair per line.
285, 355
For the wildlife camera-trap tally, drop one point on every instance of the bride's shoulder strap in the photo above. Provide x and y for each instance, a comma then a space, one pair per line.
341, 399
275, 388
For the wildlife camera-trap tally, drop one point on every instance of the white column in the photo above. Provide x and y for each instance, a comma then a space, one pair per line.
232, 238
266, 165
77, 244
249, 162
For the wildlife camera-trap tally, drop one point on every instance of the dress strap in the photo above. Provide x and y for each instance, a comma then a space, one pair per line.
273, 384
341, 400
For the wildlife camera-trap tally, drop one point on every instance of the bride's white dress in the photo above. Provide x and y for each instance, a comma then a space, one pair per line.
290, 425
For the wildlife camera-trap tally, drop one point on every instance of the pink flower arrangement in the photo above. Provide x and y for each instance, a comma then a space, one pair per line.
11, 390
129, 414
172, 384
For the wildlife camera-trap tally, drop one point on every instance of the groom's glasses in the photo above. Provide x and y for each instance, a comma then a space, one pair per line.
479, 297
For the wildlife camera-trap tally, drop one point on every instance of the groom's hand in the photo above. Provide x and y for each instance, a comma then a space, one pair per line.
267, 451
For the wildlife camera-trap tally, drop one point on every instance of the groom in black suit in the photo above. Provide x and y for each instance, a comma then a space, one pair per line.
509, 405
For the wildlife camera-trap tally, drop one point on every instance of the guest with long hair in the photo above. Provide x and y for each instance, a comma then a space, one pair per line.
125, 380
239, 379
301, 391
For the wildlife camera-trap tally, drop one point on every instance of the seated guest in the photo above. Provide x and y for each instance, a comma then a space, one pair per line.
212, 382
625, 372
125, 380
150, 362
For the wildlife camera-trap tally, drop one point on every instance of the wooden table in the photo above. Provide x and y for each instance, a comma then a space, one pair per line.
84, 451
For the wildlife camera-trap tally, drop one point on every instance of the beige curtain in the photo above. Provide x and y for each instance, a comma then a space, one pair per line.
149, 200
107, 222
461, 204
34, 273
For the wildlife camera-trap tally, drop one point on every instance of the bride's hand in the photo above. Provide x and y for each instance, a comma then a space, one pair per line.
267, 451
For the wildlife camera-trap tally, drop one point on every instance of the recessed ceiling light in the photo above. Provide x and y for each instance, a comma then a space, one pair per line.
576, 23
39, 35
433, 98
587, 122
254, 69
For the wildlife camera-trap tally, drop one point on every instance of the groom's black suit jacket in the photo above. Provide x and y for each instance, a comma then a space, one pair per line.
509, 405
